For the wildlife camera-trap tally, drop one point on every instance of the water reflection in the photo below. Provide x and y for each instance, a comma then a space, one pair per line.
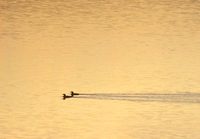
140, 46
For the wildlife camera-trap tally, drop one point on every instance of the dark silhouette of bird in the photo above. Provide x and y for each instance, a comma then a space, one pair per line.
72, 95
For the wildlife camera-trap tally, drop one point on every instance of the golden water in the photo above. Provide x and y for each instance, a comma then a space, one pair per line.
50, 47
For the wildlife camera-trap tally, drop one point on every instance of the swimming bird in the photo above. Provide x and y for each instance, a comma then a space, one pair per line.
72, 95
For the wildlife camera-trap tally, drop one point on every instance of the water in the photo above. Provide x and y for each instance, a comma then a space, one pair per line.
48, 48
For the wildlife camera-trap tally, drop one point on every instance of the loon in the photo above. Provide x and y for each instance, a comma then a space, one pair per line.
72, 95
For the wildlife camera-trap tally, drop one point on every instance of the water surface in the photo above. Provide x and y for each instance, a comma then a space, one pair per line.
49, 47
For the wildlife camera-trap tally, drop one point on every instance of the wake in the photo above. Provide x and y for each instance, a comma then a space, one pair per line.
177, 97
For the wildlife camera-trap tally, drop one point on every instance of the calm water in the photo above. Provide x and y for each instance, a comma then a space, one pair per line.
50, 47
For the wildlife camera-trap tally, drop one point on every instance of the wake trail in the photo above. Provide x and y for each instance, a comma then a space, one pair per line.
184, 97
